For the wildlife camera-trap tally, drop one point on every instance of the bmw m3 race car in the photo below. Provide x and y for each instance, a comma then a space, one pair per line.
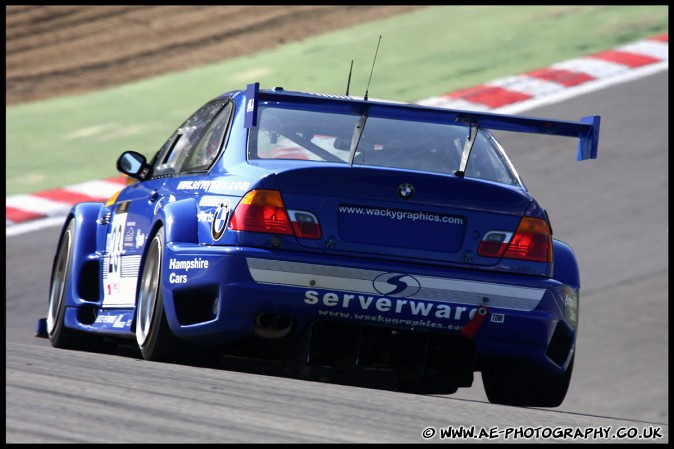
334, 232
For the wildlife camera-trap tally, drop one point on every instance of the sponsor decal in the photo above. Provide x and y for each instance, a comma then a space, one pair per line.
205, 217
217, 186
113, 288
397, 321
120, 284
114, 244
398, 306
393, 286
220, 221
396, 285
140, 238
177, 278
114, 320
497, 318
107, 319
196, 263
187, 265
210, 201
120, 271
122, 207
119, 322
129, 237
400, 214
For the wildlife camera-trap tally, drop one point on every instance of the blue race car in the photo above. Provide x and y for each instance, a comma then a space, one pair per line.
332, 232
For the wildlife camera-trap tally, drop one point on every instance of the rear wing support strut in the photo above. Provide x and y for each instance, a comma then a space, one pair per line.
467, 147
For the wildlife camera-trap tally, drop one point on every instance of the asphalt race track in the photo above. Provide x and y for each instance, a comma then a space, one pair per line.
613, 211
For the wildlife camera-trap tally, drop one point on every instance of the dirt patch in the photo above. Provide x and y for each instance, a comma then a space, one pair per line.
62, 50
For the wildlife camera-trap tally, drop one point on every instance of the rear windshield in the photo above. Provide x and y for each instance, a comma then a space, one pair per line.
326, 137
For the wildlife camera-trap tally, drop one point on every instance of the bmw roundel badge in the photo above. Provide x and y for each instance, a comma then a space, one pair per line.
405, 191
220, 220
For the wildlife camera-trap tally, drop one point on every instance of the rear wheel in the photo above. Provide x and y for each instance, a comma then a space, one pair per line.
59, 335
524, 385
153, 335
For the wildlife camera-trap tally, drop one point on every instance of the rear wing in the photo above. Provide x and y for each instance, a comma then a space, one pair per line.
586, 130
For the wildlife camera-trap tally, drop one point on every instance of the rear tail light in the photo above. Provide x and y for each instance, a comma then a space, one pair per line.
261, 211
532, 241
264, 211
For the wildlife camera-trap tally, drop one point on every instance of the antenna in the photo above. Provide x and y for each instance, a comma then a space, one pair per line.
348, 83
372, 70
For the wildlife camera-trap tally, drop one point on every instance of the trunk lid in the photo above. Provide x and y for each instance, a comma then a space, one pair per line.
374, 211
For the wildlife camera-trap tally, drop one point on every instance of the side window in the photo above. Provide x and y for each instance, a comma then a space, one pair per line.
208, 147
158, 167
487, 162
180, 145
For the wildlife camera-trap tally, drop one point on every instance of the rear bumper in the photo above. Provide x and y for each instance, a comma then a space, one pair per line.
527, 317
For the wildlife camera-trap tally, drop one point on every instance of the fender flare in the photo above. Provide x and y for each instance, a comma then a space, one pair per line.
565, 268
179, 219
85, 216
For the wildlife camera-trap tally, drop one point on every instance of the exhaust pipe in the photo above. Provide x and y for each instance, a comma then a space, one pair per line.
272, 325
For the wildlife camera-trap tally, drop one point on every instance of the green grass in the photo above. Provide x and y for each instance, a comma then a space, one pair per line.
436, 50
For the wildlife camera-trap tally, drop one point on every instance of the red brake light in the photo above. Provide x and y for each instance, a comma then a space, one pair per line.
261, 211
532, 241
264, 211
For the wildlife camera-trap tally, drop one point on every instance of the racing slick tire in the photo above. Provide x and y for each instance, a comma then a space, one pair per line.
59, 335
153, 335
524, 385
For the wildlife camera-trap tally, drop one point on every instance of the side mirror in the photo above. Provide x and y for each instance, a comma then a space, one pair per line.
133, 164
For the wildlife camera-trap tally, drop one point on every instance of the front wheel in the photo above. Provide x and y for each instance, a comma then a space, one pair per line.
59, 335
524, 385
153, 335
